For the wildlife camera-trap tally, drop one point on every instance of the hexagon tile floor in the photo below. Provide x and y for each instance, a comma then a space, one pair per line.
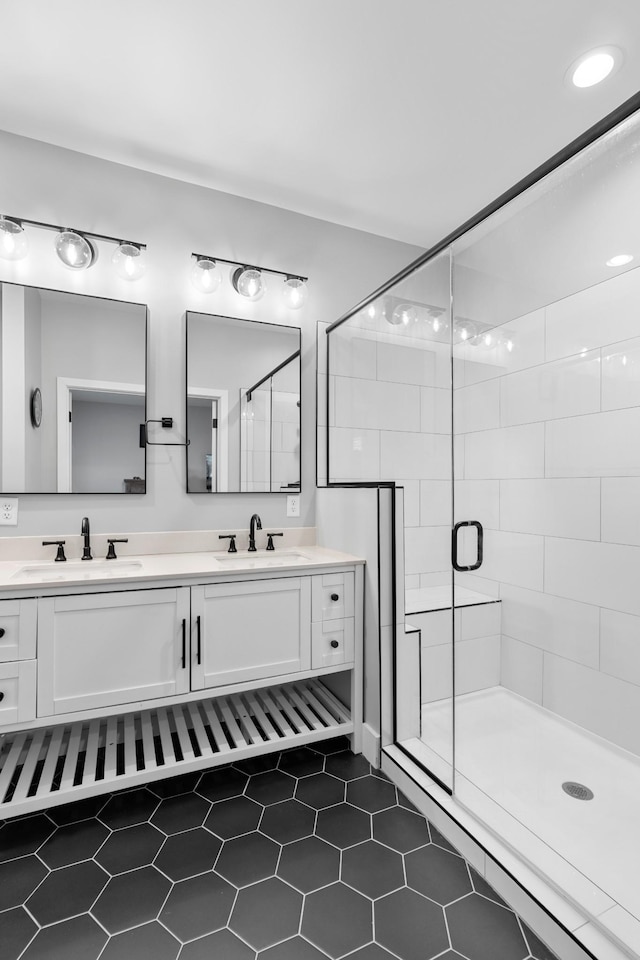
295, 856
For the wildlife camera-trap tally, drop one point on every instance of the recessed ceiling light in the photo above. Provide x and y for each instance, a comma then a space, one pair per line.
594, 67
620, 260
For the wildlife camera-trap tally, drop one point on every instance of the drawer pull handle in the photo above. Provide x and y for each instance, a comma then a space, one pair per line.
335, 596
199, 650
184, 644
335, 644
2, 631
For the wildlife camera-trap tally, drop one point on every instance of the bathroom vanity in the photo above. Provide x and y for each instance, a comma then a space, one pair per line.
113, 673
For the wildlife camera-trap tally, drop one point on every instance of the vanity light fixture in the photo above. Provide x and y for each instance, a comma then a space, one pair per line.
129, 261
13, 239
74, 250
594, 67
620, 260
206, 275
403, 314
248, 281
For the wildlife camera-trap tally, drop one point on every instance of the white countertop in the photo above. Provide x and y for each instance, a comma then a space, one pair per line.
17, 574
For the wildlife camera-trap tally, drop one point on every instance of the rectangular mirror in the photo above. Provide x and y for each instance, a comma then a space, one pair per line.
72, 392
243, 406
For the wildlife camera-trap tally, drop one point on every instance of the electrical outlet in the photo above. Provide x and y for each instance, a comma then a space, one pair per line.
9, 511
293, 506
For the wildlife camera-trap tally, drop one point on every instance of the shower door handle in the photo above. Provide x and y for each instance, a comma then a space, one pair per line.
454, 545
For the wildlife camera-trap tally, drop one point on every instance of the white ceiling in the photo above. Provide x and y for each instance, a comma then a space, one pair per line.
400, 117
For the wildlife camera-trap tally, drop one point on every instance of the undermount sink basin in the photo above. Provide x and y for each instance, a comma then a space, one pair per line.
77, 570
249, 561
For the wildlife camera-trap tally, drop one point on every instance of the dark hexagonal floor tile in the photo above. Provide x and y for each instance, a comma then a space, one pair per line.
188, 854
253, 765
404, 802
222, 784
437, 837
371, 794
437, 874
77, 841
373, 951
129, 807
337, 919
173, 786
198, 906
483, 930
410, 926
149, 940
266, 913
248, 859
309, 864
372, 869
270, 787
67, 892
347, 765
222, 944
78, 939
79, 810
301, 762
343, 825
21, 837
18, 880
287, 821
130, 848
539, 950
334, 745
131, 899
16, 930
184, 812
230, 818
320, 790
294, 949
400, 829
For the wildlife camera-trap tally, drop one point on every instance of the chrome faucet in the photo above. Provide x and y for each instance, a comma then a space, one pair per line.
85, 530
255, 524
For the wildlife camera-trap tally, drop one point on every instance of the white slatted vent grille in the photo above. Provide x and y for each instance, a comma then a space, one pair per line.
54, 765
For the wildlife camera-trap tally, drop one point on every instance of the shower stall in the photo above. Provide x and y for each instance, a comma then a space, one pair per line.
497, 383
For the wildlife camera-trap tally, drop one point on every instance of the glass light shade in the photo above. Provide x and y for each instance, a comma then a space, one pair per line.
74, 250
403, 314
294, 292
249, 282
13, 240
205, 275
465, 332
128, 261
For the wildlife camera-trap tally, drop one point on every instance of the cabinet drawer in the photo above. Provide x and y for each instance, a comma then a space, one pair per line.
332, 596
17, 629
331, 643
18, 689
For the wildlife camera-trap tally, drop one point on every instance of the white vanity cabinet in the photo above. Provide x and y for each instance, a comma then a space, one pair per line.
249, 630
103, 649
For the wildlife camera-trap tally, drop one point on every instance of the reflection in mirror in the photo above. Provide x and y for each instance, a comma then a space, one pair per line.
72, 392
243, 406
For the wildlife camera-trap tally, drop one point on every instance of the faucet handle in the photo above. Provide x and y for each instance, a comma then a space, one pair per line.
111, 553
232, 541
270, 537
60, 545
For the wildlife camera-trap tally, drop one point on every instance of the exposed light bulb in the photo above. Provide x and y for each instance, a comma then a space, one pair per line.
372, 312
487, 340
206, 275
466, 331
436, 324
74, 250
249, 282
620, 260
294, 292
128, 261
403, 314
13, 240
509, 345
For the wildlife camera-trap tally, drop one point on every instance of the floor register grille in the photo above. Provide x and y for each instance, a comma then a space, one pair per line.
53, 765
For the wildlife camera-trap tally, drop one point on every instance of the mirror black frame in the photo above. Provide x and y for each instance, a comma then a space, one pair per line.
93, 493
261, 323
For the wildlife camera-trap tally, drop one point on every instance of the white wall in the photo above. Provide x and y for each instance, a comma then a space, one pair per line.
46, 183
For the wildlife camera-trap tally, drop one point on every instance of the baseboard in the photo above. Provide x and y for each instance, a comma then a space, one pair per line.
371, 745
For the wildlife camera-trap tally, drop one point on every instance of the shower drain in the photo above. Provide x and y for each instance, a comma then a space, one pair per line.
577, 790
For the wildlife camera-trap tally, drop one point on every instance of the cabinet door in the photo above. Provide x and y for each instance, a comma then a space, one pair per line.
250, 630
96, 650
